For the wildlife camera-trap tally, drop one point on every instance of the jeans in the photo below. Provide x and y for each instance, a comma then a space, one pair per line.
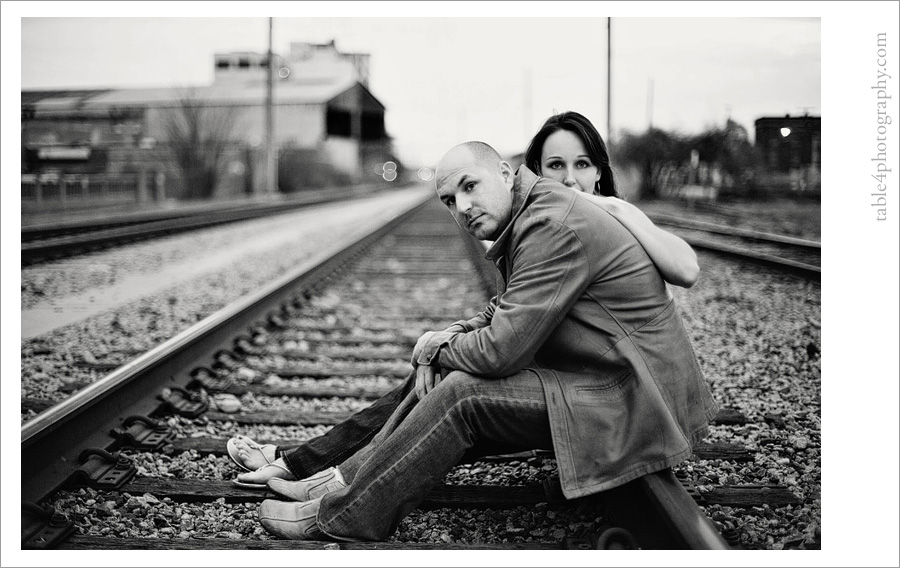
344, 439
423, 440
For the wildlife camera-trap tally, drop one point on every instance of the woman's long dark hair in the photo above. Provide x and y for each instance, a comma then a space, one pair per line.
581, 127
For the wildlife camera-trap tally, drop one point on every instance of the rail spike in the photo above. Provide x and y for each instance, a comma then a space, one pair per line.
142, 433
243, 345
43, 529
205, 378
101, 470
183, 403
689, 486
227, 359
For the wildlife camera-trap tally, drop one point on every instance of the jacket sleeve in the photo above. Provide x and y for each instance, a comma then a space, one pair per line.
480, 320
550, 273
427, 353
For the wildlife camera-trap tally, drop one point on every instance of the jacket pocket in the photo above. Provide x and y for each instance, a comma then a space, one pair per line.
606, 391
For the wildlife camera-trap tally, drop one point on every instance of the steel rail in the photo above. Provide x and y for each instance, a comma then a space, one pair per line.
804, 270
53, 440
60, 239
58, 229
807, 271
661, 514
662, 219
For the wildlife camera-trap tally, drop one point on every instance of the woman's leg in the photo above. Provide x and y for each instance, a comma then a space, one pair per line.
346, 438
424, 440
337, 444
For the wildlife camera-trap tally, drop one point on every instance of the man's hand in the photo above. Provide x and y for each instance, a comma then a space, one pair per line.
420, 345
427, 377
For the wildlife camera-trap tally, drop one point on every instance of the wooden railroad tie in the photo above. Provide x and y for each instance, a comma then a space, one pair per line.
293, 417
451, 496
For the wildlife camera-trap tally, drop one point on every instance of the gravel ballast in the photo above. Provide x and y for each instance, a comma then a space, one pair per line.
757, 335
130, 318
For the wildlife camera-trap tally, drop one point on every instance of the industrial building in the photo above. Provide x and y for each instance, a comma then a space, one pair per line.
790, 148
79, 145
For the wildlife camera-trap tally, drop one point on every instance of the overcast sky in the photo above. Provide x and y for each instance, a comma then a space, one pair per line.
496, 79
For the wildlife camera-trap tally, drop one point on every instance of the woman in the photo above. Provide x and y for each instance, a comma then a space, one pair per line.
567, 149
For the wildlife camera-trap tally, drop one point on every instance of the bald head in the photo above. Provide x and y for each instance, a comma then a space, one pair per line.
466, 154
475, 184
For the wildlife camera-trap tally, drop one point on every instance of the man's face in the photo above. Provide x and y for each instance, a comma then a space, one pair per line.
478, 196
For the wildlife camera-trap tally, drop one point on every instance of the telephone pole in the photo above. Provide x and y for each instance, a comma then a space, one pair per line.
271, 150
609, 128
526, 103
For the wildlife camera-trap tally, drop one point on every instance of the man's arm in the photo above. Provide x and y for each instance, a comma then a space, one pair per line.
550, 274
480, 320
428, 376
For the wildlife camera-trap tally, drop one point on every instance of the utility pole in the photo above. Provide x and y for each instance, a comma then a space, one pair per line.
271, 150
609, 128
526, 103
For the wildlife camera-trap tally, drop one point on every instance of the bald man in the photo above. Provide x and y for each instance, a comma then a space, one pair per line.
582, 351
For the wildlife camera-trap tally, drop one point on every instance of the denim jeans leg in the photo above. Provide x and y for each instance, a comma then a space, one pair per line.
351, 465
346, 438
413, 454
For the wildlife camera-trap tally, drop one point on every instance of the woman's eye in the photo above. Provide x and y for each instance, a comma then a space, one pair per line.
470, 186
554, 165
582, 164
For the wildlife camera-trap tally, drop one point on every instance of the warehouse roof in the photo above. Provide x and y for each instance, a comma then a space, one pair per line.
286, 92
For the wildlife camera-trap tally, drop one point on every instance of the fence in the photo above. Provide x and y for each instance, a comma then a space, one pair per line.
74, 190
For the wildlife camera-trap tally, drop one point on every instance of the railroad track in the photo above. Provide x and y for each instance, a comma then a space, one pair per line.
51, 241
337, 330
787, 254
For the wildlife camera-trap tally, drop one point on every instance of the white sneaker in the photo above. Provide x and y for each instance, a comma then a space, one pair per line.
310, 488
292, 521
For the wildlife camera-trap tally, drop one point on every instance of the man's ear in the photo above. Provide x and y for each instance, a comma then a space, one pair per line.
507, 172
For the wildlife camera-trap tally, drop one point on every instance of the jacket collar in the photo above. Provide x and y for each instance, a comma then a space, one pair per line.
524, 182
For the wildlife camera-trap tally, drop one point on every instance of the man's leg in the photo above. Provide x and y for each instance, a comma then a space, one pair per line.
395, 472
333, 479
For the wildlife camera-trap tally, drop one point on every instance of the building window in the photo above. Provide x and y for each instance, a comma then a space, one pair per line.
244, 63
372, 126
337, 123
222, 64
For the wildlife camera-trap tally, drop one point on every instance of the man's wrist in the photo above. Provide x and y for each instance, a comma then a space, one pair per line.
431, 349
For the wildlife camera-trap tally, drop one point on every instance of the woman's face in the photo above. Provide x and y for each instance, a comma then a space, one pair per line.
564, 159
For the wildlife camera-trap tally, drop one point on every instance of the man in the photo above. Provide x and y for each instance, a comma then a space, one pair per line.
582, 351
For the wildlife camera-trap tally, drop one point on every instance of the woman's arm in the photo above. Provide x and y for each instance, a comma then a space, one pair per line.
674, 258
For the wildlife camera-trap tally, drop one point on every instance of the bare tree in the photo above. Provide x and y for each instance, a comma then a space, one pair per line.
198, 135
650, 151
727, 148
